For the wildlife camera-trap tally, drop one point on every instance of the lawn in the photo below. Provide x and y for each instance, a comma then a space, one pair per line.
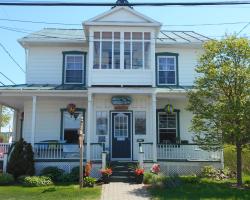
207, 189
66, 192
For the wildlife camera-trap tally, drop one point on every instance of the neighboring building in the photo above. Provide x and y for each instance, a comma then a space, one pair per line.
122, 72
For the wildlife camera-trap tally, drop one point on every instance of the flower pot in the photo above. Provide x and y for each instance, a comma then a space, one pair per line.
106, 178
139, 178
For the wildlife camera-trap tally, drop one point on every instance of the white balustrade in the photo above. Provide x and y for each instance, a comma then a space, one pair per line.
186, 152
4, 148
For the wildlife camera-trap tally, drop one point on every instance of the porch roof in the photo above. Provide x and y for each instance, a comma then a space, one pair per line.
43, 87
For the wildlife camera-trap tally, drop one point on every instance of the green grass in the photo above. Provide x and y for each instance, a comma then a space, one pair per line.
64, 192
207, 189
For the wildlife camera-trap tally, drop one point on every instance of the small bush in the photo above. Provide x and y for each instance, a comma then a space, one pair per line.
219, 174
53, 172
173, 181
36, 181
190, 179
89, 181
148, 177
66, 178
208, 172
75, 173
6, 179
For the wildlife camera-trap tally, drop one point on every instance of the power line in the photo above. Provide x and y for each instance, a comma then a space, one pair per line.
7, 78
218, 3
75, 24
11, 57
2, 83
243, 28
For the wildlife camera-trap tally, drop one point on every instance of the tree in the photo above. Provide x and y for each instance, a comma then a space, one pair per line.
21, 159
220, 100
4, 116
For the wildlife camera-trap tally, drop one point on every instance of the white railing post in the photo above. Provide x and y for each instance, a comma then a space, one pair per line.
5, 160
104, 156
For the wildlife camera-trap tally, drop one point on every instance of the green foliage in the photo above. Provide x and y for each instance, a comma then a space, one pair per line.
173, 181
66, 178
220, 100
36, 181
6, 116
89, 181
6, 179
148, 177
53, 172
75, 173
21, 159
230, 158
190, 179
219, 174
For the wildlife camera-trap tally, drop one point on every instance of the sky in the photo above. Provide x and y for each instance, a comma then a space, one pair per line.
172, 15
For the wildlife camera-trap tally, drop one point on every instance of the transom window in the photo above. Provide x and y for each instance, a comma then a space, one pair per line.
121, 125
166, 70
167, 128
122, 50
74, 73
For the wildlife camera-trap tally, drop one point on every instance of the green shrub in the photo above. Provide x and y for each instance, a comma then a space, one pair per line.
89, 181
190, 179
53, 172
147, 178
21, 159
6, 179
75, 173
66, 178
208, 172
173, 181
36, 181
219, 174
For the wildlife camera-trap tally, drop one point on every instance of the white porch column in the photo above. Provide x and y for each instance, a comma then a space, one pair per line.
154, 131
33, 121
15, 125
89, 122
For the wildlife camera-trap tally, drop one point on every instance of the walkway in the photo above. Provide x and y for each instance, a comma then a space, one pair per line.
124, 191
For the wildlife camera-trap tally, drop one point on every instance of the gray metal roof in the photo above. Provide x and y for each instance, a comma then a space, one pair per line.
76, 35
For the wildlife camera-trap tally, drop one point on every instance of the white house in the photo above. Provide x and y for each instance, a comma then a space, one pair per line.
126, 77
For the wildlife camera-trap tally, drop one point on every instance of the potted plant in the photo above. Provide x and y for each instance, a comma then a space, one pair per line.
139, 172
106, 174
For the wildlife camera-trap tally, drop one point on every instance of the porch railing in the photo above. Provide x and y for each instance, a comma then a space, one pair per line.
190, 152
52, 151
147, 149
4, 148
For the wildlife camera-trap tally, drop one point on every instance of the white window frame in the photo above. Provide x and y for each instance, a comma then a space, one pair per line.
122, 41
176, 125
158, 70
65, 68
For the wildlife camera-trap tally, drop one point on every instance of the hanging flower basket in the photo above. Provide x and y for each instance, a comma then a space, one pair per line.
71, 108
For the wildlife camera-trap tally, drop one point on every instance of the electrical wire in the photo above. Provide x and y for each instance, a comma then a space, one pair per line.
7, 78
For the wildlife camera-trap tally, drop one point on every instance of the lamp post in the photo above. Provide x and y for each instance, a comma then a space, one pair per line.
81, 138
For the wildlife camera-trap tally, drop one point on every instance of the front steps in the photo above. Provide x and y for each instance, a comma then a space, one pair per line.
122, 171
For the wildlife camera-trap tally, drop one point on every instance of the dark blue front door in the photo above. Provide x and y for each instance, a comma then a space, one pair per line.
121, 135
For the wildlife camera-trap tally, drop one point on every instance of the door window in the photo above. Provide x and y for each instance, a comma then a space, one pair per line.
121, 125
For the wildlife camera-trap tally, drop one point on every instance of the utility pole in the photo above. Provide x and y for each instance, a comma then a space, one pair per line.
81, 138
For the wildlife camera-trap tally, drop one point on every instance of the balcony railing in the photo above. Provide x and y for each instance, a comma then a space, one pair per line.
51, 151
4, 148
188, 152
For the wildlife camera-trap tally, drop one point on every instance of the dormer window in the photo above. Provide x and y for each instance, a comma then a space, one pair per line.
74, 68
122, 50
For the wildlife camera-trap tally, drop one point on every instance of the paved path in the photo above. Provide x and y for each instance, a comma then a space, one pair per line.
124, 191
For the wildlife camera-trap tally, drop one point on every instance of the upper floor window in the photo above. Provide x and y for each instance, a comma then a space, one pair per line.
74, 68
167, 69
122, 50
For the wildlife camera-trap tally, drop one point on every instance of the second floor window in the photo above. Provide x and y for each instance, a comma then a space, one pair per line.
122, 50
74, 73
166, 70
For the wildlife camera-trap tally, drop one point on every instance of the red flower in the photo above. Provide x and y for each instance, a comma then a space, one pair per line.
139, 171
107, 171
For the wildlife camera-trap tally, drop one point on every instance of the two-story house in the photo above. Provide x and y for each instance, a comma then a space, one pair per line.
126, 77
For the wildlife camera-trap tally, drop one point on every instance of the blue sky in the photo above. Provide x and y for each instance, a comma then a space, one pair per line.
174, 15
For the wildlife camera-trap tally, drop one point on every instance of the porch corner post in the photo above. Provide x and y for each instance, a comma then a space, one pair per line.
33, 121
89, 119
154, 131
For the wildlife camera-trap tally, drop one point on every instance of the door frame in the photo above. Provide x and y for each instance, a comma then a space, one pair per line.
131, 135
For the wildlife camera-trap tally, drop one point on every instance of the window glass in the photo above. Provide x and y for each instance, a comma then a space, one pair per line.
137, 61
106, 55
71, 126
97, 35
140, 122
167, 127
106, 35
101, 123
121, 125
117, 55
74, 68
167, 70
117, 35
137, 36
147, 36
127, 55
127, 35
147, 55
96, 55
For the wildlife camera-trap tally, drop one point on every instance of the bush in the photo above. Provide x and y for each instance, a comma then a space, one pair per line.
154, 179
66, 178
219, 174
75, 173
89, 181
36, 181
173, 181
190, 179
208, 172
148, 177
6, 179
53, 172
21, 159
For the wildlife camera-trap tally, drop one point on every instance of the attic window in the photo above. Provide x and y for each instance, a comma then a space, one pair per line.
109, 47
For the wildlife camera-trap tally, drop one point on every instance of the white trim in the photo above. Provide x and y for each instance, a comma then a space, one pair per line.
158, 70
33, 120
153, 112
89, 120
131, 133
